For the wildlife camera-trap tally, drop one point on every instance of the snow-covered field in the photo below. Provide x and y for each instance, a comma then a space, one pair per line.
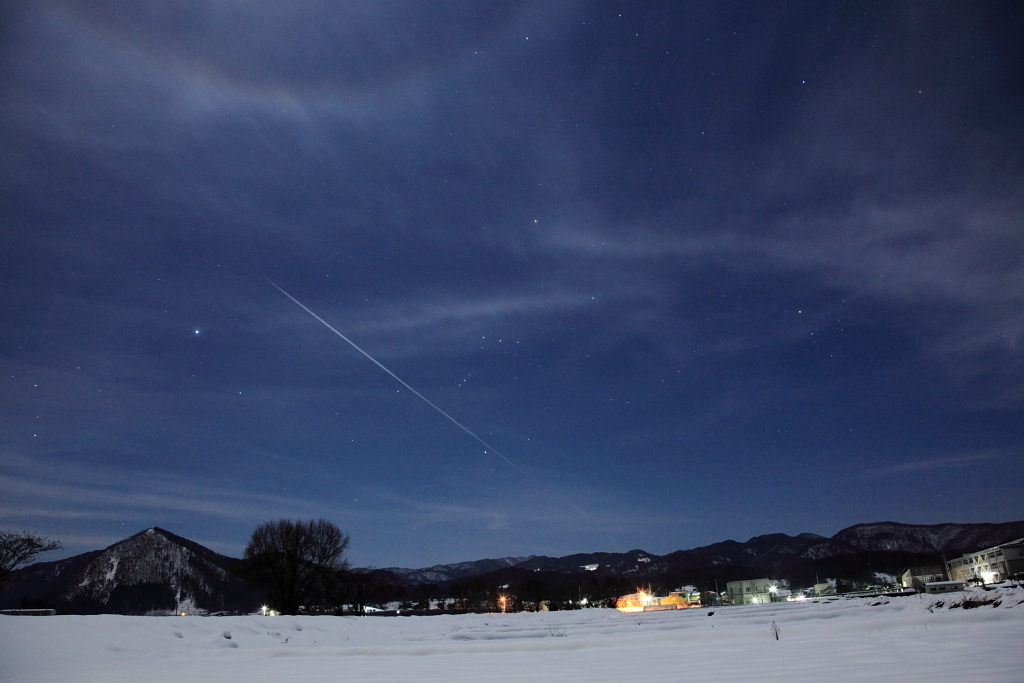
909, 638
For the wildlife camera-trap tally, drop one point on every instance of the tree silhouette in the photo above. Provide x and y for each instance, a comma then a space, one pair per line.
295, 562
18, 548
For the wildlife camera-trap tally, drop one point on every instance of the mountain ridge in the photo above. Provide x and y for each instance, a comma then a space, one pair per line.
770, 551
156, 571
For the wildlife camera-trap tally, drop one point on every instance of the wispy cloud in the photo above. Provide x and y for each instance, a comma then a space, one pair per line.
538, 506
64, 489
420, 513
950, 268
946, 462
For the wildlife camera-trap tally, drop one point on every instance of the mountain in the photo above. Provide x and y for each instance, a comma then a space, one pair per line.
447, 572
33, 582
774, 554
953, 539
772, 551
155, 571
152, 571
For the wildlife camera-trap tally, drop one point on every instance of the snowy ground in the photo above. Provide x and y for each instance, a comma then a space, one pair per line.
888, 639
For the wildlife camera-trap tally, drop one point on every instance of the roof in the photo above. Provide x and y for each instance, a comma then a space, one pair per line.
1008, 544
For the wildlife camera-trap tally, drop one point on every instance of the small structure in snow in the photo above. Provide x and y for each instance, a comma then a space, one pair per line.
29, 612
944, 586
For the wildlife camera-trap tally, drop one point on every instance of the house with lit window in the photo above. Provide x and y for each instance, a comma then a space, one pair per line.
990, 565
751, 592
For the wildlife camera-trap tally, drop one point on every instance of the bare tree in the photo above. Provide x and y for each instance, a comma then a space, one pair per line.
17, 549
361, 585
295, 562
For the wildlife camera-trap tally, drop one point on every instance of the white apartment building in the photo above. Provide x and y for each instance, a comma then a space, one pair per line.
991, 565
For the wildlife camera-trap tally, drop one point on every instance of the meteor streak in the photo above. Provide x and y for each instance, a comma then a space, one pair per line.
400, 381
421, 396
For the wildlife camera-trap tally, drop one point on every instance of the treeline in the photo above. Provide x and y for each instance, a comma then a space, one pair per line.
300, 566
526, 590
512, 589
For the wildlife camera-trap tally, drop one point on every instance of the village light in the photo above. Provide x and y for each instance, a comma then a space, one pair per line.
263, 610
502, 599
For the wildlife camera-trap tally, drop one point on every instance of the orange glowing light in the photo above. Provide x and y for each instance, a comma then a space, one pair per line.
645, 601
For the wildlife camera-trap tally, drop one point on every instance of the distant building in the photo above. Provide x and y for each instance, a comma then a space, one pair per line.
917, 577
821, 589
944, 586
751, 592
991, 565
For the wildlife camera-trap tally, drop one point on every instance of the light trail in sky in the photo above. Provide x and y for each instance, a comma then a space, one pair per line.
403, 383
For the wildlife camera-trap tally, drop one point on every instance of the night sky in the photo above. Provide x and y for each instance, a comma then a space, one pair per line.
696, 270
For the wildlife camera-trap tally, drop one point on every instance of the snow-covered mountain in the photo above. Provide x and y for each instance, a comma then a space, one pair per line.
934, 538
447, 572
152, 571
